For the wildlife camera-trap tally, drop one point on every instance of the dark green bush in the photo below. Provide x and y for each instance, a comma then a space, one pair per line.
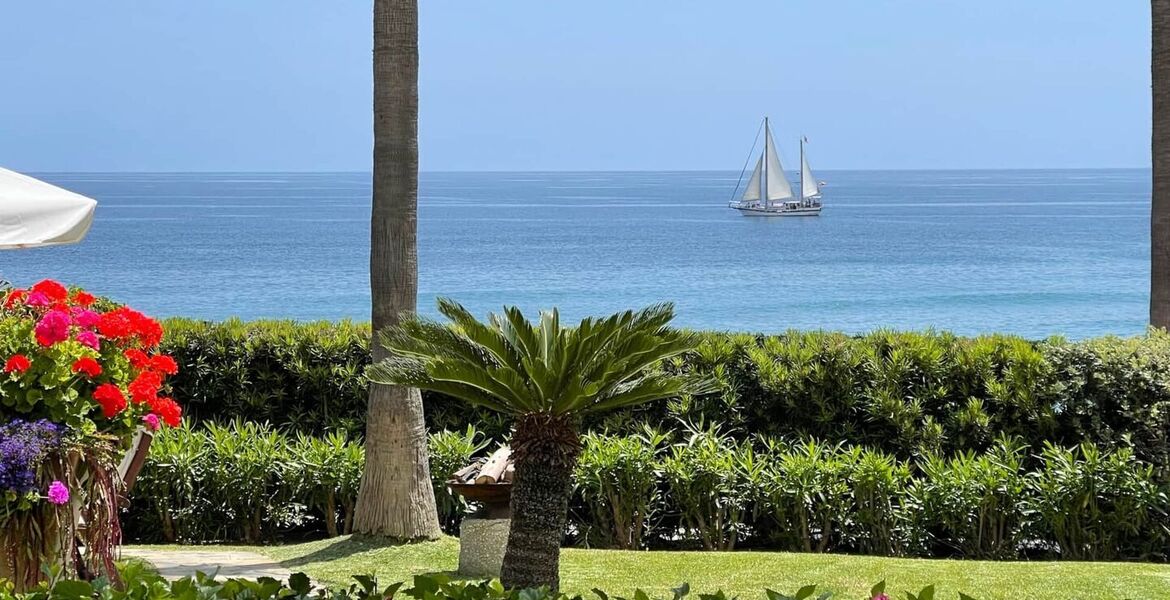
903, 393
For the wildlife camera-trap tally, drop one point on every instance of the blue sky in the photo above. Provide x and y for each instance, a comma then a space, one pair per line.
128, 85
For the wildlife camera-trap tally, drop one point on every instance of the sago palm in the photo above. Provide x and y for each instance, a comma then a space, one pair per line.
546, 376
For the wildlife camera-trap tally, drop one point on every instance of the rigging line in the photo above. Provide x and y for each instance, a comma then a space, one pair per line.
746, 162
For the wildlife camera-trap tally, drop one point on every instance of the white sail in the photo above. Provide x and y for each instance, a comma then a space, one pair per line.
808, 183
778, 186
753, 187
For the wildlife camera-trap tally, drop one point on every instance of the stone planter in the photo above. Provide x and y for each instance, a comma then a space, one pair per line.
484, 535
481, 546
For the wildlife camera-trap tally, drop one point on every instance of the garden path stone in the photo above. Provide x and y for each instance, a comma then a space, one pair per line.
176, 564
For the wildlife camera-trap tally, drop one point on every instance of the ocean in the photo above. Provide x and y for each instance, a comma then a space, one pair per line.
1035, 253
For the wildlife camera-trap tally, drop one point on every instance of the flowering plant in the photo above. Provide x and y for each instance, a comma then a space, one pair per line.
24, 446
82, 362
80, 375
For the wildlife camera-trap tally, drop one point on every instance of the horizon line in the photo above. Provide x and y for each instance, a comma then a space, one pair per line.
507, 171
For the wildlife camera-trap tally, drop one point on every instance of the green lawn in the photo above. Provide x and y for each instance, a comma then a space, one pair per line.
747, 573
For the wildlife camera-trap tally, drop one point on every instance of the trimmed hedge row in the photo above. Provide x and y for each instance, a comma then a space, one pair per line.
698, 490
250, 482
905, 393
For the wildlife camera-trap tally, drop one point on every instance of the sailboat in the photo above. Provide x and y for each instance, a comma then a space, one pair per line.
769, 194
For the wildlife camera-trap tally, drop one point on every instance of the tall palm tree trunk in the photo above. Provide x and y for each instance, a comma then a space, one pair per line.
545, 450
396, 498
1160, 153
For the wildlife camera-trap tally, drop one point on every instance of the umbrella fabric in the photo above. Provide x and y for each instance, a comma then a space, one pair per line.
34, 213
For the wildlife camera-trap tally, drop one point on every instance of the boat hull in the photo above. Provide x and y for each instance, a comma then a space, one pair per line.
759, 211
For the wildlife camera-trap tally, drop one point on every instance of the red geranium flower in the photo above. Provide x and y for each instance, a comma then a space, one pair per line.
110, 398
13, 297
145, 387
164, 364
138, 358
87, 365
169, 410
82, 298
17, 363
149, 331
51, 289
115, 324
122, 323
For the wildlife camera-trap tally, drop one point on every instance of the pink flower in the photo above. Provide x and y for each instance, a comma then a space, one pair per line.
85, 318
151, 422
58, 493
880, 597
53, 328
89, 339
38, 299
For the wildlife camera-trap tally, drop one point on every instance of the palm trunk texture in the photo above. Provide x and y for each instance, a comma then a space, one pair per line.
1160, 154
396, 499
545, 449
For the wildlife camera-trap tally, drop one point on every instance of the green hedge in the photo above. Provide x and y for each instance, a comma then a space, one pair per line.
249, 482
902, 392
693, 490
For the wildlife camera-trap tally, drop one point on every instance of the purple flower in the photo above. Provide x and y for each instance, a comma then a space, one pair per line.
151, 421
58, 493
23, 447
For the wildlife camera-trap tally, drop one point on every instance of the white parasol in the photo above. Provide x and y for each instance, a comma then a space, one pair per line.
34, 213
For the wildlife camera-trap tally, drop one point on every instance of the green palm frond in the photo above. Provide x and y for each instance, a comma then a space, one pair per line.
516, 366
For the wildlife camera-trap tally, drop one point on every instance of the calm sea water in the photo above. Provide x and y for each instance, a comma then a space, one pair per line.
1031, 252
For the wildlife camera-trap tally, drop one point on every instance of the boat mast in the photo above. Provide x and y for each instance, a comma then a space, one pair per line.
802, 168
764, 172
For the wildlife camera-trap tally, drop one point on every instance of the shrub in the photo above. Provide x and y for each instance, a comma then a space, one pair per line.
1115, 392
252, 482
1095, 505
808, 493
450, 451
970, 505
904, 393
617, 483
708, 486
878, 483
328, 472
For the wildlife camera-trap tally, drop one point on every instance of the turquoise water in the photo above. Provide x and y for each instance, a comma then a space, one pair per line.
1030, 252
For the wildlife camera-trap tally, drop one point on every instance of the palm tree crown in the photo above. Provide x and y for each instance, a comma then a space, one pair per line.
517, 367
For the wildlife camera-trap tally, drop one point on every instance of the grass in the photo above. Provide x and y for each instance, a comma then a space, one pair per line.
745, 574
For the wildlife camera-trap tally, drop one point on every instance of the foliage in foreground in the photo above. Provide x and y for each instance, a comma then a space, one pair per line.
140, 584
